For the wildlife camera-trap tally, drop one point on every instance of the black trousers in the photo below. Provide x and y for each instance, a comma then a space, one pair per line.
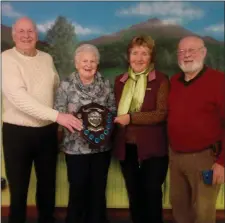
144, 185
87, 176
24, 146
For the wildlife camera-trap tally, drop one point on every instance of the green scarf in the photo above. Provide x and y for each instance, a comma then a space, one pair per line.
134, 91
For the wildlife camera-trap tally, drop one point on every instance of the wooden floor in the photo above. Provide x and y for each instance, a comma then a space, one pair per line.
4, 220
118, 215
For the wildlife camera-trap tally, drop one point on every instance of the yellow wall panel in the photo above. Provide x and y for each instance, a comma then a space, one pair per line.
116, 192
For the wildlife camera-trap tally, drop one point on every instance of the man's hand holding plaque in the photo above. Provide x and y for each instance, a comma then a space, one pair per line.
97, 124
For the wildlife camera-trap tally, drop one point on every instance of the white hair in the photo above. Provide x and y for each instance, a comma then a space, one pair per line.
14, 25
87, 48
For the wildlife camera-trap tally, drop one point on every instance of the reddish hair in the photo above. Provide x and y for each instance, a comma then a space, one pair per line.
145, 41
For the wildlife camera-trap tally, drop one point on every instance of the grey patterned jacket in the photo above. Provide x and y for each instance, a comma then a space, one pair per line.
71, 95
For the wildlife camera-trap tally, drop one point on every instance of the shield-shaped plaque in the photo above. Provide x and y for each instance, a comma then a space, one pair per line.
98, 124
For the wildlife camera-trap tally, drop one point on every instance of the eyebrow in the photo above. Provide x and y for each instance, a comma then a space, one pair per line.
23, 29
201, 46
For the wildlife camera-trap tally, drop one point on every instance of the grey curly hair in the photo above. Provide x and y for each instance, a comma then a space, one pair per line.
86, 48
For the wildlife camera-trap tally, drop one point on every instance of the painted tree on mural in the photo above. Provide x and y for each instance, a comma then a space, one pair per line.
61, 39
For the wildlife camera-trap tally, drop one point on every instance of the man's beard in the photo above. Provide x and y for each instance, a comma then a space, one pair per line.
191, 67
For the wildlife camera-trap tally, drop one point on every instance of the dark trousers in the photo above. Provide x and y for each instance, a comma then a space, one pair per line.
24, 146
144, 185
87, 176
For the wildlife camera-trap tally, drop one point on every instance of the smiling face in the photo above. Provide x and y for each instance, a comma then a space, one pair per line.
191, 54
86, 64
139, 58
25, 35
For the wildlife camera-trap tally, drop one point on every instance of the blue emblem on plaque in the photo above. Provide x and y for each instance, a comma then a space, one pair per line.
97, 140
91, 137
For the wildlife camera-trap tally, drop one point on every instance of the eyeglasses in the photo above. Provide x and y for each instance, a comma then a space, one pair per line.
190, 51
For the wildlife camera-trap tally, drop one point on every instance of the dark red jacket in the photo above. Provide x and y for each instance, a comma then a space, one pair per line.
151, 139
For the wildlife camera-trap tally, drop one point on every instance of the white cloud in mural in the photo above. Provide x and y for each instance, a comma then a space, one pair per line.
162, 10
172, 21
45, 26
79, 29
216, 28
9, 11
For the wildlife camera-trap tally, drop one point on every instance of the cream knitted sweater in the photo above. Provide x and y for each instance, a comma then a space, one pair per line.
28, 86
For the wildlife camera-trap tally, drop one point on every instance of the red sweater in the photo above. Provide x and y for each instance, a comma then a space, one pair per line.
197, 112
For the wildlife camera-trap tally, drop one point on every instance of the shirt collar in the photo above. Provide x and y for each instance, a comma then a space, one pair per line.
201, 72
151, 76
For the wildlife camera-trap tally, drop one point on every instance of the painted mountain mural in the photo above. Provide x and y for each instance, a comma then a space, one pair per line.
113, 47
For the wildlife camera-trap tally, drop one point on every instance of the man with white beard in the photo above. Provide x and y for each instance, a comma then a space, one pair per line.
196, 133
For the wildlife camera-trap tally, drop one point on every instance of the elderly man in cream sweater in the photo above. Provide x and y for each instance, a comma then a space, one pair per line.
29, 80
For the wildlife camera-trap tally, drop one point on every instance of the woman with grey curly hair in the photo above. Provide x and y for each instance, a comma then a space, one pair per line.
87, 167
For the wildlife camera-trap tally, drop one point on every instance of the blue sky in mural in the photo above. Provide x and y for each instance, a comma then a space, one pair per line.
94, 19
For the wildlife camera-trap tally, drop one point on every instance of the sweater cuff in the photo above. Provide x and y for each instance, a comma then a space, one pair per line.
54, 115
131, 118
